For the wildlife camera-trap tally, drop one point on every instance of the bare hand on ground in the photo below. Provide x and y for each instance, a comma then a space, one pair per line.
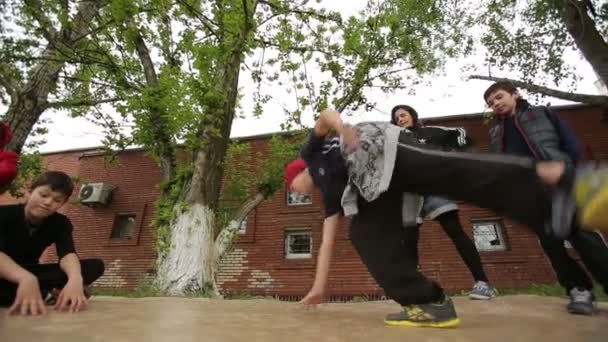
28, 300
313, 298
72, 298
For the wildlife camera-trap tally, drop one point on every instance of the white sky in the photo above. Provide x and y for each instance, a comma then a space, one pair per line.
447, 93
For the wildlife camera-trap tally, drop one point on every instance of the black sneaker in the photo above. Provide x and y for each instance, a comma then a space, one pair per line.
581, 302
434, 315
52, 296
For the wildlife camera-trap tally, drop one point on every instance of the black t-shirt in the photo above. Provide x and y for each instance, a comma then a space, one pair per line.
326, 166
25, 243
514, 142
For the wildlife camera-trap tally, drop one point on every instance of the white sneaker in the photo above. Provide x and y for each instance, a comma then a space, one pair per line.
482, 290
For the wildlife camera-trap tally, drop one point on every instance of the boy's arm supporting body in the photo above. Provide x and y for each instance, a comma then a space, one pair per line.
28, 299
328, 120
319, 287
72, 293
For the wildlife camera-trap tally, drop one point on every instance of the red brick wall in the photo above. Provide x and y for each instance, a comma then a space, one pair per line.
258, 264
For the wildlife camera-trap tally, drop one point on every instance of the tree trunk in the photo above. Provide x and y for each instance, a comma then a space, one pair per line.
164, 147
32, 97
191, 263
178, 272
224, 241
588, 40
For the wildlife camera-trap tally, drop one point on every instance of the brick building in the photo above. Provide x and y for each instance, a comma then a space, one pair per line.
276, 251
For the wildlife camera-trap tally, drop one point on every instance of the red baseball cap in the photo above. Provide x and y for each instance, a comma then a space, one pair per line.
8, 159
8, 167
293, 169
6, 135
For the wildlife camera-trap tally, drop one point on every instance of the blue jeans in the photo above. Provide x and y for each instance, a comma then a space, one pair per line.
436, 205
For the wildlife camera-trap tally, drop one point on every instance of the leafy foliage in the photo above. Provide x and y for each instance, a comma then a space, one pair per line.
530, 39
388, 45
248, 174
164, 75
168, 207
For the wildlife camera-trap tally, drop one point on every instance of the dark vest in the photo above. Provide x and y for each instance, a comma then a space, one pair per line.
539, 134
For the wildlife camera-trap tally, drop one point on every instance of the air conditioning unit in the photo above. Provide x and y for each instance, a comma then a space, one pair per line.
95, 194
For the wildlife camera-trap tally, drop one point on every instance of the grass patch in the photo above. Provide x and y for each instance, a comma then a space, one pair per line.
152, 291
140, 291
246, 296
146, 290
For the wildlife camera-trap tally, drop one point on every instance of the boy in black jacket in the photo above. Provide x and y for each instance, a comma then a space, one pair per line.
537, 132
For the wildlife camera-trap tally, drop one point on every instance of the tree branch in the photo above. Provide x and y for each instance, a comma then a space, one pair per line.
8, 85
167, 44
45, 23
207, 22
297, 11
299, 49
582, 98
224, 240
146, 61
111, 66
81, 103
97, 83
363, 69
588, 40
83, 59
388, 72
387, 86
246, 12
164, 146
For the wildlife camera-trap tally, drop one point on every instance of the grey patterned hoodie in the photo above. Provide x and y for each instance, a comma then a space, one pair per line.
370, 168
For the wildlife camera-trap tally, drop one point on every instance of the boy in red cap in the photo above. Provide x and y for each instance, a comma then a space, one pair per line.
364, 174
8, 159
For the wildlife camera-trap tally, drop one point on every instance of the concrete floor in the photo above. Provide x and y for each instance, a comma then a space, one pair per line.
509, 318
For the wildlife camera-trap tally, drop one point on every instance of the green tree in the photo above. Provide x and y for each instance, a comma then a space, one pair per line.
172, 69
531, 38
38, 40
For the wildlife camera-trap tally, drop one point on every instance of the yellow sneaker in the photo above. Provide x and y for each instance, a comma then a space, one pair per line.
433, 315
591, 195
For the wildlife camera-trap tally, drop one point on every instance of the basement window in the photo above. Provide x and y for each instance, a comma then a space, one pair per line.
298, 243
124, 227
296, 198
489, 236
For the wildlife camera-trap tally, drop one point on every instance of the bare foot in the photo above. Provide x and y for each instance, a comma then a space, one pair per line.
550, 172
